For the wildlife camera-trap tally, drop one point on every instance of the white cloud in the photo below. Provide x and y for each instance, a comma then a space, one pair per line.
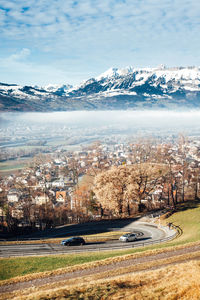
92, 35
19, 68
63, 16
19, 56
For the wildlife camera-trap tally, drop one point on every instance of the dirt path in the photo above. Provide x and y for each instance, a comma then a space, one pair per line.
111, 267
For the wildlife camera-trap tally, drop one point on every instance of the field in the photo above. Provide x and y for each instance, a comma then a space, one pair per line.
162, 278
187, 218
10, 167
172, 283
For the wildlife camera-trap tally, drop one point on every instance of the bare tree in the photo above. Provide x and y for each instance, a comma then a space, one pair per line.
182, 150
120, 187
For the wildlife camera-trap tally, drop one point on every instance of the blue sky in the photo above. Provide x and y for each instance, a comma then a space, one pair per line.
67, 41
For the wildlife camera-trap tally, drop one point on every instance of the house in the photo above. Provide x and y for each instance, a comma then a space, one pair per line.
58, 183
82, 163
61, 196
38, 173
17, 213
41, 199
157, 194
13, 196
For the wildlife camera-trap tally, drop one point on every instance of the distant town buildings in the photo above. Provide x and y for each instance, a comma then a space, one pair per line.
46, 188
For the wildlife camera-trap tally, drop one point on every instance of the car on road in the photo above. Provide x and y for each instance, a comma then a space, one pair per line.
128, 237
73, 241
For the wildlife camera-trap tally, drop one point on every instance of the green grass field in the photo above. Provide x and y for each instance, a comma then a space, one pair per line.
12, 267
13, 165
7, 168
187, 218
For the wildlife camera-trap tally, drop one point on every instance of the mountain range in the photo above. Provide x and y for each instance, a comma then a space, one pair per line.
128, 88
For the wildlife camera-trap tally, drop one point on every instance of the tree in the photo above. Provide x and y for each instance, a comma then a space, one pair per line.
144, 151
93, 206
178, 170
3, 199
73, 170
119, 188
39, 160
81, 197
26, 202
108, 187
184, 164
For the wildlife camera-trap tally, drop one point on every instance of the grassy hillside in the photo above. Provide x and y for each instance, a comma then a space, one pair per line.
187, 218
171, 283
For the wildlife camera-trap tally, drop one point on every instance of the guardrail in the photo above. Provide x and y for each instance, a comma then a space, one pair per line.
143, 244
90, 238
51, 251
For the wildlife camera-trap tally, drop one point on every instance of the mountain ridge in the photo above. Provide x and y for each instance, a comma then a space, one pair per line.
127, 88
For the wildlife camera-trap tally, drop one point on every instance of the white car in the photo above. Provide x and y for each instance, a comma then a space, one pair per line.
128, 237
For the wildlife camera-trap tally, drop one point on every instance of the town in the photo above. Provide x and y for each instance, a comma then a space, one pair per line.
62, 187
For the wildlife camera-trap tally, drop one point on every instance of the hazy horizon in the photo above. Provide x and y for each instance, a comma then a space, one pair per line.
127, 121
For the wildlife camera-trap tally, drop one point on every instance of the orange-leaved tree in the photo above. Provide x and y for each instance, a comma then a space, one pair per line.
123, 186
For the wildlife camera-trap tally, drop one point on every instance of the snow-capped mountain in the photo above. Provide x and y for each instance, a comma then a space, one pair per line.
130, 87
147, 81
33, 91
56, 88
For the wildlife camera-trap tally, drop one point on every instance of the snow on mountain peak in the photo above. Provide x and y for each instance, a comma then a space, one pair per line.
115, 72
117, 88
55, 87
109, 73
173, 73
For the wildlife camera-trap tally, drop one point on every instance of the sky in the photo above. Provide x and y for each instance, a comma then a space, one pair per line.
69, 41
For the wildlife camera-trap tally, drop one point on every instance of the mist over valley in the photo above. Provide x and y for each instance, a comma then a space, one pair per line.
73, 128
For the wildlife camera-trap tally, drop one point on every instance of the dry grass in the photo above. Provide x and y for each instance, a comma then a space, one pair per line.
177, 282
108, 261
171, 282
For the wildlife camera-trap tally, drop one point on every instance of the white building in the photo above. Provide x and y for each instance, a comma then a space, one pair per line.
13, 196
41, 199
58, 183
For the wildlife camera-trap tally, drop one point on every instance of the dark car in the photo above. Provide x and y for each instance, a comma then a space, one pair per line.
74, 241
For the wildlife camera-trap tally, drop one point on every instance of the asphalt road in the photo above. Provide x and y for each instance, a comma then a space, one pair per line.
146, 234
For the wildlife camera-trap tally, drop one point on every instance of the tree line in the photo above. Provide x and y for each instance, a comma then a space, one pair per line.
154, 176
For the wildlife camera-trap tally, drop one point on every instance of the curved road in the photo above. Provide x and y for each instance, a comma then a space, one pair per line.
147, 234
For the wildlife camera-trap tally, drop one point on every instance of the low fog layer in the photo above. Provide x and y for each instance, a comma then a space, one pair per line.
129, 119
63, 129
